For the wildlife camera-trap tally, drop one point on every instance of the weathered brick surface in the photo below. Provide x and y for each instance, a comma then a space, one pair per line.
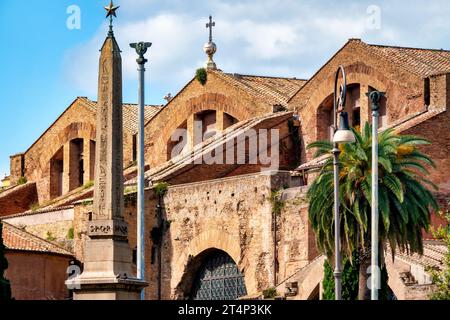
214, 95
18, 199
405, 91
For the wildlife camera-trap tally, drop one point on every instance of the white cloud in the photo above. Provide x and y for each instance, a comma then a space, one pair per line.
274, 37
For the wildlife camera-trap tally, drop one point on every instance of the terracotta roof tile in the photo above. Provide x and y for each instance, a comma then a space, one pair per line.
273, 90
433, 255
422, 62
17, 239
130, 114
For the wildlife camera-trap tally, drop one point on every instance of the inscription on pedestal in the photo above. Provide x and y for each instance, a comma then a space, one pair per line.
103, 228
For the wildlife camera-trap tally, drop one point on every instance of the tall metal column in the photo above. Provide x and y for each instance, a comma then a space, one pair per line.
337, 232
339, 105
375, 97
141, 49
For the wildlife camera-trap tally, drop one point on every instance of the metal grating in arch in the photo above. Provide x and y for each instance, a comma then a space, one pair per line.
218, 279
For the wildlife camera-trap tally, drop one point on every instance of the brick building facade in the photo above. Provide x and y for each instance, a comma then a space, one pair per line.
212, 208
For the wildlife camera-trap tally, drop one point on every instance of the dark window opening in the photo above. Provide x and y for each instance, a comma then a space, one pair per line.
426, 95
135, 147
356, 119
135, 256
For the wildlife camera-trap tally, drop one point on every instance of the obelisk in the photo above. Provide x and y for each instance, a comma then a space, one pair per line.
107, 273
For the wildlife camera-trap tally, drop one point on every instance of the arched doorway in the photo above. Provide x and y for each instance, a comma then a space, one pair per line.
218, 278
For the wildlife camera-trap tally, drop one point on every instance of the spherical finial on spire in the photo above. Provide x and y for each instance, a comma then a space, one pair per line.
210, 47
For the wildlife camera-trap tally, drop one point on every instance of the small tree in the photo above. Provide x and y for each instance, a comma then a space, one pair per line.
350, 277
5, 286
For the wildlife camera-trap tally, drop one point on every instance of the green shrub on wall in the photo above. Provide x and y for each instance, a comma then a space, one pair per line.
350, 281
201, 76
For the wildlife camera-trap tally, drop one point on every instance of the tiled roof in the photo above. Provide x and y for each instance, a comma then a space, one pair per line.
422, 62
433, 255
188, 160
416, 120
17, 239
130, 114
273, 90
399, 126
314, 163
36, 212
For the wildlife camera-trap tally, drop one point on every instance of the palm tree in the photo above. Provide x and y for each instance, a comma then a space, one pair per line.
405, 202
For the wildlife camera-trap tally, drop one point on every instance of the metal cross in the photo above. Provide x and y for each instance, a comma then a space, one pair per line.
210, 26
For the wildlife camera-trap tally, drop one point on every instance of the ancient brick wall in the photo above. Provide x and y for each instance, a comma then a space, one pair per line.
77, 122
296, 242
17, 169
18, 199
214, 95
405, 91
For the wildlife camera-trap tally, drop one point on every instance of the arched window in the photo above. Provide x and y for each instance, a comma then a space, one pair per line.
178, 142
325, 113
218, 278
56, 173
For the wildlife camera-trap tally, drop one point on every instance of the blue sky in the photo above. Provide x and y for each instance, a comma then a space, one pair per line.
44, 65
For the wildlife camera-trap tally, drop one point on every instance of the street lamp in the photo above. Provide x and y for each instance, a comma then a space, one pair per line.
141, 49
375, 97
341, 136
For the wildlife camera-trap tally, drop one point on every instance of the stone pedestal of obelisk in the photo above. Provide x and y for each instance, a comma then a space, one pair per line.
108, 273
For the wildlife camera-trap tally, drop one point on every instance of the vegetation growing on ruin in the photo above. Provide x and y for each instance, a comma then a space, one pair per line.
270, 293
50, 236
277, 203
88, 185
405, 200
70, 234
201, 76
161, 189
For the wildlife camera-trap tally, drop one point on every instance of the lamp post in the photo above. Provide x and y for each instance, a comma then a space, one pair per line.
141, 49
341, 135
375, 97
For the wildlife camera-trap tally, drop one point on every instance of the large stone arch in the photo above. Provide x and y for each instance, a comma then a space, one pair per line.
204, 102
189, 261
357, 73
75, 130
171, 120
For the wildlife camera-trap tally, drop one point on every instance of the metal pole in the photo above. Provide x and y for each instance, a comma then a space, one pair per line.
339, 103
141, 169
375, 269
141, 49
337, 231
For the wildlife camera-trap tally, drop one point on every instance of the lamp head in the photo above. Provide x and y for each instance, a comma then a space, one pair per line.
344, 134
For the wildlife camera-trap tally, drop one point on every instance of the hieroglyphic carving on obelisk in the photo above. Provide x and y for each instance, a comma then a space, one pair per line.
108, 273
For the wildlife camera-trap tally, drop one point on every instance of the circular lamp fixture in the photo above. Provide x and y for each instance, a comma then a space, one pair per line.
344, 134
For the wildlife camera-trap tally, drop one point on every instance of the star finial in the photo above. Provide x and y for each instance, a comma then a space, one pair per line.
111, 12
